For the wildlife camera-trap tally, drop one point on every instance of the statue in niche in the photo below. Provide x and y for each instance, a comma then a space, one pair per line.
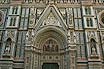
70, 18
93, 47
8, 45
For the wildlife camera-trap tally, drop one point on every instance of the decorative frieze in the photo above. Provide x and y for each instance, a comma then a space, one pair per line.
62, 32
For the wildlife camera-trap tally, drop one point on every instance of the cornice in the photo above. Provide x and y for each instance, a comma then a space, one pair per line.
61, 5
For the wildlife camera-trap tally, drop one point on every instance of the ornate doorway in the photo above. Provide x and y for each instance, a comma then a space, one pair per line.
50, 66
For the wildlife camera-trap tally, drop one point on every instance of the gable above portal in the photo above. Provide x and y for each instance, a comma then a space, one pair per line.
51, 16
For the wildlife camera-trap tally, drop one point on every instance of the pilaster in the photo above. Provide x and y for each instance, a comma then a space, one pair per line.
72, 49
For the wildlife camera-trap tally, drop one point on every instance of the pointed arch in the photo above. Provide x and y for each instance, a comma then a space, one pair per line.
8, 45
51, 9
58, 30
50, 32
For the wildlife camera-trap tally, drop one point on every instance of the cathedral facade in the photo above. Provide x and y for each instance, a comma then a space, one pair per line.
51, 34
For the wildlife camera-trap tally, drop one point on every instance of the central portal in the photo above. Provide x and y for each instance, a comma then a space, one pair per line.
50, 66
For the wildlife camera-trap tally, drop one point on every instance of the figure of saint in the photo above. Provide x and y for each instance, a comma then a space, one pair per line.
56, 48
48, 48
53, 48
8, 45
93, 47
93, 51
7, 49
44, 48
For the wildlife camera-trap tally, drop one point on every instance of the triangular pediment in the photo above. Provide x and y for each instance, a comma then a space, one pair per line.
51, 16
51, 20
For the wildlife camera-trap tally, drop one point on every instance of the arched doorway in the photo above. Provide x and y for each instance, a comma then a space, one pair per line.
50, 66
50, 43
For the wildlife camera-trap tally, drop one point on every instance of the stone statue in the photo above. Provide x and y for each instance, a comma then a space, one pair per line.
93, 47
93, 51
8, 45
7, 49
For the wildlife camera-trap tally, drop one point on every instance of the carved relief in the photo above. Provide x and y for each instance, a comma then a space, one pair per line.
39, 12
91, 34
71, 37
69, 16
29, 37
51, 20
10, 34
32, 17
50, 46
